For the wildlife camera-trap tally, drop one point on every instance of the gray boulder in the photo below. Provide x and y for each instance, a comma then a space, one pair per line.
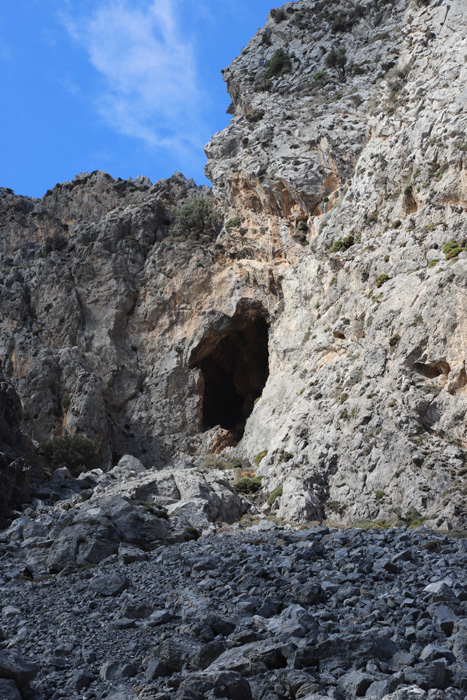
9, 690
17, 668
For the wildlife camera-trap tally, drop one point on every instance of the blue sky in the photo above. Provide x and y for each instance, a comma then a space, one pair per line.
127, 86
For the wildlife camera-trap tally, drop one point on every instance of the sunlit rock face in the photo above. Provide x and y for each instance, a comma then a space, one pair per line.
323, 320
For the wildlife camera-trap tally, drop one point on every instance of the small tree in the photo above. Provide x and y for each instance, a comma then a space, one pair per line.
279, 64
196, 218
337, 58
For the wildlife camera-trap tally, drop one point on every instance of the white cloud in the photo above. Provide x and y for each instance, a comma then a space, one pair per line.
149, 82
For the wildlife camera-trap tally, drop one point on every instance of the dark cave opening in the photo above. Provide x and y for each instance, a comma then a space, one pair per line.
234, 369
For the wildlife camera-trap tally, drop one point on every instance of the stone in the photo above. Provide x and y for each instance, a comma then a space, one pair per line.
440, 590
109, 585
128, 553
229, 683
81, 680
16, 667
155, 669
431, 652
355, 683
444, 619
159, 617
9, 690
117, 671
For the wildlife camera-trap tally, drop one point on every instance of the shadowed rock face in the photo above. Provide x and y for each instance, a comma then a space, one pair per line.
234, 370
15, 473
333, 293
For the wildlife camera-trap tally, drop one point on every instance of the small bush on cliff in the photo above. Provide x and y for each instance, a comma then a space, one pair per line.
75, 452
224, 462
248, 485
278, 15
337, 59
451, 249
236, 222
381, 279
342, 244
195, 219
279, 64
258, 457
274, 495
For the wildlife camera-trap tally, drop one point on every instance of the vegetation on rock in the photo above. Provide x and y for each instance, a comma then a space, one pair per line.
248, 484
196, 219
75, 452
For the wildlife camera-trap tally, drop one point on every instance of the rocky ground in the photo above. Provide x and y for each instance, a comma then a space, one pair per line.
132, 583
263, 612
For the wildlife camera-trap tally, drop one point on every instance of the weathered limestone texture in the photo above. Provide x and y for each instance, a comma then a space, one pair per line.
322, 320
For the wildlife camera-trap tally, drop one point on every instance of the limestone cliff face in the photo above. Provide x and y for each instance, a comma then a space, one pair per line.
339, 182
107, 318
363, 415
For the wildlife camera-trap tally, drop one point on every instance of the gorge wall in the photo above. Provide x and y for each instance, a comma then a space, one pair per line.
323, 320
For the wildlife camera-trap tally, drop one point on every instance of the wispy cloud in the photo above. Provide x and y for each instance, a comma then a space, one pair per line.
149, 86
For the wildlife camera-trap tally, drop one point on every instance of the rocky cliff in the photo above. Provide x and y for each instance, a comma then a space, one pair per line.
319, 317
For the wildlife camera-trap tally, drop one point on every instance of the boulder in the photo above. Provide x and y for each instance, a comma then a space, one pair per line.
17, 668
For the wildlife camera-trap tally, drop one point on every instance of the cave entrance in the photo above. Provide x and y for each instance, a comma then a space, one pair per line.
234, 368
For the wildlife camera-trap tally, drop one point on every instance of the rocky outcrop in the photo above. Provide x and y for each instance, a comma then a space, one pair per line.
127, 511
321, 321
363, 415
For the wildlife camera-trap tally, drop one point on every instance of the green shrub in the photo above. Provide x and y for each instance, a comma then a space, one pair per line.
433, 546
224, 462
343, 397
379, 495
412, 518
195, 219
319, 75
333, 506
337, 58
75, 452
274, 495
278, 15
373, 524
381, 279
248, 485
433, 262
342, 244
279, 64
261, 455
451, 249
56, 242
234, 223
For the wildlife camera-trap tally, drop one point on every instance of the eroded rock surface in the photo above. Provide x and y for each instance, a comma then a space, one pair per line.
126, 512
322, 321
